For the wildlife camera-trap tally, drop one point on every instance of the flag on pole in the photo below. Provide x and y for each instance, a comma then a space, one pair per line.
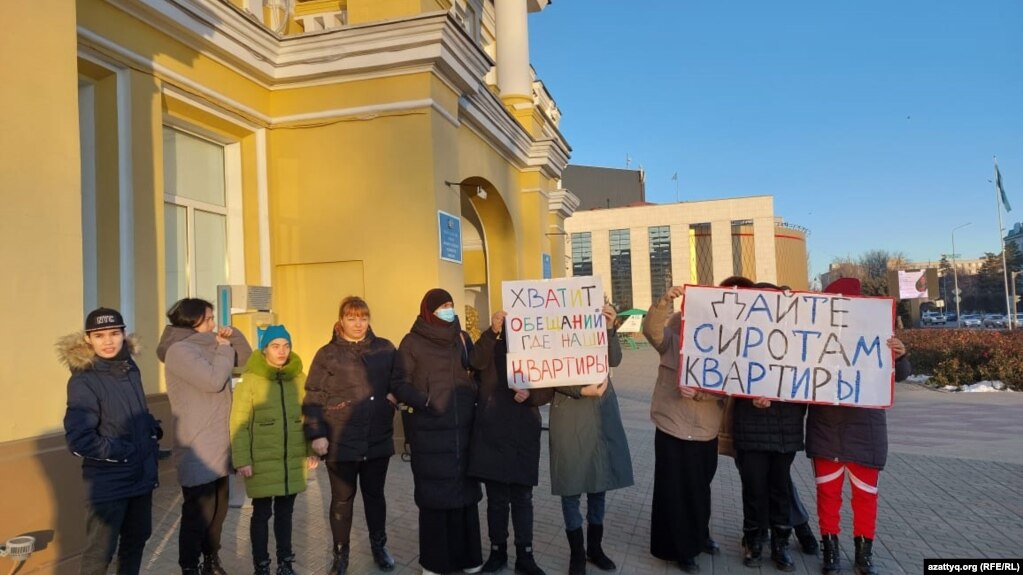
675, 177
1001, 191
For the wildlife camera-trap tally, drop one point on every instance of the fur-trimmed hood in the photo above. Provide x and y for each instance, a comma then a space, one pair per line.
77, 354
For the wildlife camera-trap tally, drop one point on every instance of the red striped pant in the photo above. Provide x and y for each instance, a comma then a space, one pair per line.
863, 480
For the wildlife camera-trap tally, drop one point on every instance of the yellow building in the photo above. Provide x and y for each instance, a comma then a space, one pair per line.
153, 149
640, 251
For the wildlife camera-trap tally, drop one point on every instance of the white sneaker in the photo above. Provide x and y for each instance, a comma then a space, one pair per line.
475, 569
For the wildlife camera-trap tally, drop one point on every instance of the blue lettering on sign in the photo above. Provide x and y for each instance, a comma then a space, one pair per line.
750, 342
750, 378
710, 366
814, 299
760, 305
847, 389
805, 333
875, 346
800, 380
696, 337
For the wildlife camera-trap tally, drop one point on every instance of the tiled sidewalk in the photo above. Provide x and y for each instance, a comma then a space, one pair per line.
953, 488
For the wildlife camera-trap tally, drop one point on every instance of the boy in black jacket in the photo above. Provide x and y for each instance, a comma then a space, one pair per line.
109, 426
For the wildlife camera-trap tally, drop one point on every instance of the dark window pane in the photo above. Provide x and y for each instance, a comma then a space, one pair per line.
660, 261
621, 269
582, 255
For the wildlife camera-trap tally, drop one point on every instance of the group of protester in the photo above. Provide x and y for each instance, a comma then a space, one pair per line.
464, 426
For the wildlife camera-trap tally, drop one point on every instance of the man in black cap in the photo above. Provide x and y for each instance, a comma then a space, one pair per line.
109, 426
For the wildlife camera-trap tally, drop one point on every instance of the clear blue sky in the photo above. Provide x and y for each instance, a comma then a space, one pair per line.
872, 122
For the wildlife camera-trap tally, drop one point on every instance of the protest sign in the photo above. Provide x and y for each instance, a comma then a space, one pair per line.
555, 332
789, 346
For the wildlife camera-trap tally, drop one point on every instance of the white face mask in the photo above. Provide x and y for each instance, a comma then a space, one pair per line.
446, 313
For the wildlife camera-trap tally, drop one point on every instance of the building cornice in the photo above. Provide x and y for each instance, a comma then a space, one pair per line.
563, 202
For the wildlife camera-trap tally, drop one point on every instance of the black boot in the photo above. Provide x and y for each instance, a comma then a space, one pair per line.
378, 545
831, 556
577, 559
498, 558
524, 562
711, 547
211, 565
340, 564
191, 571
594, 550
284, 565
752, 547
262, 568
864, 556
807, 540
780, 549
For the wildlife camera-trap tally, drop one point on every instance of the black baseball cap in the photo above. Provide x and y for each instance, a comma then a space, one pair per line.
103, 318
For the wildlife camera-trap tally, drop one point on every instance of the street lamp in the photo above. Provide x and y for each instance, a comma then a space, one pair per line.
955, 271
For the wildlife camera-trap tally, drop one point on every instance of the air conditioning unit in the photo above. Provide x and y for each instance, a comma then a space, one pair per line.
243, 298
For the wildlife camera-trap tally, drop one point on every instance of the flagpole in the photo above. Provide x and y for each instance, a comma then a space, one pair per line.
1001, 240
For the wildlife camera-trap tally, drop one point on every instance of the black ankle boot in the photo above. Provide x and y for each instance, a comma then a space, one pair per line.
378, 545
594, 549
524, 561
831, 557
191, 571
498, 558
577, 559
807, 540
340, 564
284, 565
211, 565
752, 547
780, 549
864, 556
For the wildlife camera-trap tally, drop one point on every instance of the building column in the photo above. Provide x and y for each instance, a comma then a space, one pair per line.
764, 250
600, 245
721, 249
681, 271
513, 73
639, 244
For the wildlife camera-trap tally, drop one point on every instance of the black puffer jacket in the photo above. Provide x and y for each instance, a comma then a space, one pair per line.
778, 429
346, 398
437, 363
505, 443
851, 434
107, 422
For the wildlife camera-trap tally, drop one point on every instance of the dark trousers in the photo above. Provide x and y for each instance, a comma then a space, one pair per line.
797, 511
202, 520
501, 496
766, 489
281, 508
129, 520
680, 519
449, 539
371, 475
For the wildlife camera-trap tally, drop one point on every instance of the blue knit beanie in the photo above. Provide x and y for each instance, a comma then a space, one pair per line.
271, 333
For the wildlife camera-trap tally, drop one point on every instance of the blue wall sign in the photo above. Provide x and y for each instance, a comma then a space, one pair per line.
547, 266
450, 228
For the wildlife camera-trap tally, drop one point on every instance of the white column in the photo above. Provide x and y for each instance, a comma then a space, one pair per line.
513, 77
721, 249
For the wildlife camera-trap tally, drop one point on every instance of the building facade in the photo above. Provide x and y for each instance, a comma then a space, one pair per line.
641, 251
598, 187
154, 149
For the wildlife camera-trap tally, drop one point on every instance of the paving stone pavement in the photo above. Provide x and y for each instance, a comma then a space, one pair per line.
953, 487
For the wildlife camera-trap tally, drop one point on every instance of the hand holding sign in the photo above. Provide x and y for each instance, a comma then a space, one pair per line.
595, 390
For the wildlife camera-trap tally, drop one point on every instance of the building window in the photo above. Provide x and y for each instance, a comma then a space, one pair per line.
621, 269
660, 261
195, 216
582, 254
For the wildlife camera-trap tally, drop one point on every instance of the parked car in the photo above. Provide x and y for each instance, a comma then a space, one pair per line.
932, 318
1018, 320
950, 316
995, 320
971, 320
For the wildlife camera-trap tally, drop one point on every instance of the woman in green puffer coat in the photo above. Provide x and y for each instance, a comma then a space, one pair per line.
268, 445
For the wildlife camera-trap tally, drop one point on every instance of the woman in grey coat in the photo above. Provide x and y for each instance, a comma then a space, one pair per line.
199, 359
589, 454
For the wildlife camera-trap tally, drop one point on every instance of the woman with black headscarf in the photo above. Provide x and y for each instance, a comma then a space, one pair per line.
436, 357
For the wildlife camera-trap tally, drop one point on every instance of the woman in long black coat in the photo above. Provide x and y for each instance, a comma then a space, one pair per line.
435, 355
505, 451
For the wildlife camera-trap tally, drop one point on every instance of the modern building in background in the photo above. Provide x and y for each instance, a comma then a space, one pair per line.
155, 149
598, 187
641, 251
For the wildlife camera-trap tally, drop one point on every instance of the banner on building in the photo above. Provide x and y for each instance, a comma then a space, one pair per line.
789, 346
555, 332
